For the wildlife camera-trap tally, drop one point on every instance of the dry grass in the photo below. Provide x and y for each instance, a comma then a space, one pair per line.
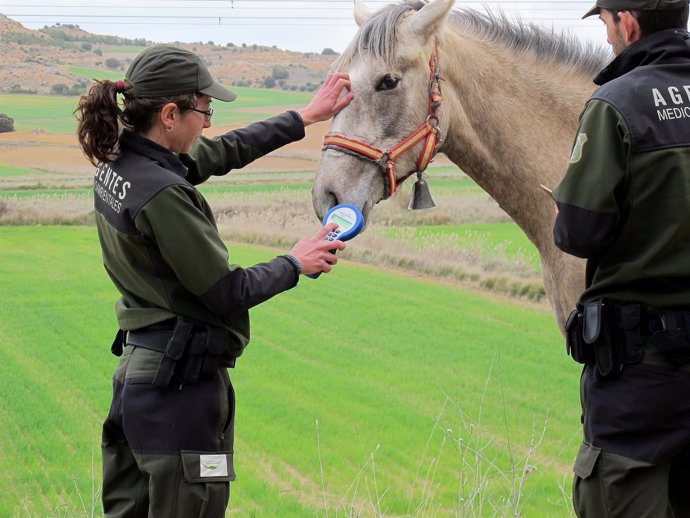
279, 218
47, 210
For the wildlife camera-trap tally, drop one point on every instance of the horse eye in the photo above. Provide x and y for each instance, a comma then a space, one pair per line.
387, 83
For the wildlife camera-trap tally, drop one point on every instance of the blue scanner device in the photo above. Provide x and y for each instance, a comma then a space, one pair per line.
350, 223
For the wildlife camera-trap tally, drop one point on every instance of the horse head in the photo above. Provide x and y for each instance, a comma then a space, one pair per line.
393, 126
512, 93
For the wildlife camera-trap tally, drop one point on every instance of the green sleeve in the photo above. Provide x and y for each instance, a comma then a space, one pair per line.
188, 241
235, 149
587, 196
193, 254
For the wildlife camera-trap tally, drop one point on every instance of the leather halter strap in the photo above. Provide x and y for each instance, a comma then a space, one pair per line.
427, 131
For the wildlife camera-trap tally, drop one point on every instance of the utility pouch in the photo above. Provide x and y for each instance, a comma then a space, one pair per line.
596, 331
670, 335
189, 367
575, 346
173, 352
119, 343
208, 348
217, 347
627, 320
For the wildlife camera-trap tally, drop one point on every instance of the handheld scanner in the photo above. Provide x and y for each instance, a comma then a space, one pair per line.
350, 223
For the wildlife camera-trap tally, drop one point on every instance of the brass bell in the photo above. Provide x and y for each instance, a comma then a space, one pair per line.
421, 197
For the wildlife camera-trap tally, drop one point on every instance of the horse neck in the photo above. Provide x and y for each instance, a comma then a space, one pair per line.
512, 121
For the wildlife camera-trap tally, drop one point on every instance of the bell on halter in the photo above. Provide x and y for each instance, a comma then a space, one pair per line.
421, 197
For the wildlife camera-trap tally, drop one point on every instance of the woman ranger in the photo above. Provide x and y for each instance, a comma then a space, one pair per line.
183, 311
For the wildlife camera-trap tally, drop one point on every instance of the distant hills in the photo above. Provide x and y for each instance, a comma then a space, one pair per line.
63, 59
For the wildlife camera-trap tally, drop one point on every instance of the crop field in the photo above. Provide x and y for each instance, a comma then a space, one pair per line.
424, 377
52, 114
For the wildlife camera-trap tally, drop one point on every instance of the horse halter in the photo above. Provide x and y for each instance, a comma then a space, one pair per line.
427, 131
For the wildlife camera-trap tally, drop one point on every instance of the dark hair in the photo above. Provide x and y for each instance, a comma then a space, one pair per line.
99, 116
652, 21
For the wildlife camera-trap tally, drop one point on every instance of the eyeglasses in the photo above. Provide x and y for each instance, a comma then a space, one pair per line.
207, 113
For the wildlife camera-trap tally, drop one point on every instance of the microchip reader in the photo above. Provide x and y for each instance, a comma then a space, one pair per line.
350, 223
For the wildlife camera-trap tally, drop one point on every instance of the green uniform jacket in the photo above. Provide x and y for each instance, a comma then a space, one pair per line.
624, 203
159, 239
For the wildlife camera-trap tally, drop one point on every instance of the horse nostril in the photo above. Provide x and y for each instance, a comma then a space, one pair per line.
331, 200
323, 202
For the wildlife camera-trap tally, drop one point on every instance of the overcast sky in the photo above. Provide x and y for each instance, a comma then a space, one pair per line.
301, 25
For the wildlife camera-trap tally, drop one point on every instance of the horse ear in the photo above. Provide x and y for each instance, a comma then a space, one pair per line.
430, 17
362, 13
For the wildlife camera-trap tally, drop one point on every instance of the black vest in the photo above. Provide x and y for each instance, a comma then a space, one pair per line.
649, 85
123, 188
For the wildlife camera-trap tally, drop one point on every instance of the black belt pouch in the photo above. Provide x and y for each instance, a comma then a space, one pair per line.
575, 346
596, 331
670, 335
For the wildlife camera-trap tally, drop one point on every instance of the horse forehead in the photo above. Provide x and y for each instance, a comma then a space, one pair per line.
361, 70
364, 66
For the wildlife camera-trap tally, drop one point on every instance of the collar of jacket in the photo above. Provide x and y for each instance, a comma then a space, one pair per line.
130, 141
669, 46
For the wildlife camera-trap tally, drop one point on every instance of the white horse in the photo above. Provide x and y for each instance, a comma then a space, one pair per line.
500, 99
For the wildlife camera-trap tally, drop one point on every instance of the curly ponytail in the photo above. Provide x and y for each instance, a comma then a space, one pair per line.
99, 114
100, 117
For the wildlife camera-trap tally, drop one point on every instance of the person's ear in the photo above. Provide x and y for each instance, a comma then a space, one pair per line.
630, 27
168, 115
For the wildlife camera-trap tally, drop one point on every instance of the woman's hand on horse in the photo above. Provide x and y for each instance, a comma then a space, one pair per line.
332, 97
315, 254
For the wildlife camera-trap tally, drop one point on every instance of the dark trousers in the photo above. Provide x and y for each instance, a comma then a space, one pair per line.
167, 453
635, 458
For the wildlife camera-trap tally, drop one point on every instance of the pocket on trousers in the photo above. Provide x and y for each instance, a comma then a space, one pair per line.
203, 467
586, 459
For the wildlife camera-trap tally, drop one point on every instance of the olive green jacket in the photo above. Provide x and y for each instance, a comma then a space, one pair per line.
160, 244
624, 203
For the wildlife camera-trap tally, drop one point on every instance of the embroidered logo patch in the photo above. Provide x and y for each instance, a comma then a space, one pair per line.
577, 148
213, 466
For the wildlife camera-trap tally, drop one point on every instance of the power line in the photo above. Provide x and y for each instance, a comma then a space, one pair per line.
246, 12
180, 17
292, 3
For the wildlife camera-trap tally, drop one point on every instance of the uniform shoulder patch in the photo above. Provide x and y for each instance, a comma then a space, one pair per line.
580, 142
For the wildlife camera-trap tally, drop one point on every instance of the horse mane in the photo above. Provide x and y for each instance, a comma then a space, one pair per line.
378, 38
527, 38
378, 35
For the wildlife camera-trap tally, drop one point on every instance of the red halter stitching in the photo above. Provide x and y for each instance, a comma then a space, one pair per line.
362, 148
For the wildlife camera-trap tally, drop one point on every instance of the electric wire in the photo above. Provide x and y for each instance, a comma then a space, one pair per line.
307, 13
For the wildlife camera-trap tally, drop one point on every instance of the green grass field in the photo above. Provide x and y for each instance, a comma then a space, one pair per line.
95, 73
129, 49
238, 181
430, 400
424, 393
11, 171
488, 239
53, 114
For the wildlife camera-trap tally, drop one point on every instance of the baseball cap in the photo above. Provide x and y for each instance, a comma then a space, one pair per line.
636, 5
164, 70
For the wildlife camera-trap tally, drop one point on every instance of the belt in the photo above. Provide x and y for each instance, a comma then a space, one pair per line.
154, 337
149, 339
181, 339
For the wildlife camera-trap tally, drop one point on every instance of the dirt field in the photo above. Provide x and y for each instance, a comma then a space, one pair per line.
60, 154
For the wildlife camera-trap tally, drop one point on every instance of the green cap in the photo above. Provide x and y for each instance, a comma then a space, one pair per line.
165, 71
636, 5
